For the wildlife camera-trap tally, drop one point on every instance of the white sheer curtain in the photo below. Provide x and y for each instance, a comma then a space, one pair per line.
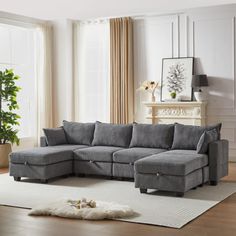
92, 86
26, 47
44, 75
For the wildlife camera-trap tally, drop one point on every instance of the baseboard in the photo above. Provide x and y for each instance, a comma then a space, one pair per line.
232, 158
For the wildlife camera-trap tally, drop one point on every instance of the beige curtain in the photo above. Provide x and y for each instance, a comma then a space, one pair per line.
121, 67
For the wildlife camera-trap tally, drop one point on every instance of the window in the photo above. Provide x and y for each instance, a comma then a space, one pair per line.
92, 89
17, 51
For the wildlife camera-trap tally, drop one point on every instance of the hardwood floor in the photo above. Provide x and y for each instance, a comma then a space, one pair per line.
220, 220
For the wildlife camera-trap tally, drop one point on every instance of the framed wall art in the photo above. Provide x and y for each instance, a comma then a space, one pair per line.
176, 79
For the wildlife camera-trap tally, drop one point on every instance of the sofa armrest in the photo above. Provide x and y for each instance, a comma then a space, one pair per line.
218, 160
43, 141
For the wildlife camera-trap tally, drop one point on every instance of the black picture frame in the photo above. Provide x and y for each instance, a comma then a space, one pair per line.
191, 59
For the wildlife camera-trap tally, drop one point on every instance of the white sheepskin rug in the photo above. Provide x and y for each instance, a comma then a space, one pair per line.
68, 208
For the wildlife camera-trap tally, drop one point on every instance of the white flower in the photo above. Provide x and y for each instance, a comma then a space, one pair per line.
149, 86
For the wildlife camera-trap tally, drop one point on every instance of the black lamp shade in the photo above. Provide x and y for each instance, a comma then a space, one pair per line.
199, 81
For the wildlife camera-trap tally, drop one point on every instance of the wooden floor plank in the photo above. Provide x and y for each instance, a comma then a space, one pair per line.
220, 220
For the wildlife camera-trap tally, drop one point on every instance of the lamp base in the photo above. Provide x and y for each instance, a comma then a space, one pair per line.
200, 96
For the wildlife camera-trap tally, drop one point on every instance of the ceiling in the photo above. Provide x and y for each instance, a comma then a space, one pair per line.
85, 9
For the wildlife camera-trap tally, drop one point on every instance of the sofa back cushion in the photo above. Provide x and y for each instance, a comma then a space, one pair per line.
204, 141
187, 136
55, 136
79, 133
112, 135
152, 136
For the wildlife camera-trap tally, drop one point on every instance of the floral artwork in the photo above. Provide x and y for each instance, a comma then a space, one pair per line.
176, 79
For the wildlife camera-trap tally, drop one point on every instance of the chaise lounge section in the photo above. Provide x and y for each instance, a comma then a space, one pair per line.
44, 162
167, 157
180, 170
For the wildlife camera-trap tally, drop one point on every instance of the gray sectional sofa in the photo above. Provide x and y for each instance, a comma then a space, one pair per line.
169, 157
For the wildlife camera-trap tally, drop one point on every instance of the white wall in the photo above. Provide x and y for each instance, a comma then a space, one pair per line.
208, 34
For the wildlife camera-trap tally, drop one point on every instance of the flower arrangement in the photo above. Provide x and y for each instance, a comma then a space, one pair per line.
149, 86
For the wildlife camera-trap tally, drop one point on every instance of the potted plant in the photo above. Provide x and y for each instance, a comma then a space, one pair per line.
173, 95
8, 118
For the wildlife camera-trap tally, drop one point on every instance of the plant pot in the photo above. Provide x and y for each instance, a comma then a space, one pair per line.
5, 150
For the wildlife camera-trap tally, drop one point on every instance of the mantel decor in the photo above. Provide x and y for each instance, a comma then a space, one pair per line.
189, 113
199, 81
176, 78
151, 87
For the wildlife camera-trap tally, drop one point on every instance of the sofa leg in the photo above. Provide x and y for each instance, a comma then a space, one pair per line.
17, 178
66, 176
143, 190
200, 185
80, 175
120, 178
44, 181
213, 183
179, 194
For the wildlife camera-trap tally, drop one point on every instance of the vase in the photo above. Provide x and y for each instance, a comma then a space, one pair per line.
153, 98
5, 150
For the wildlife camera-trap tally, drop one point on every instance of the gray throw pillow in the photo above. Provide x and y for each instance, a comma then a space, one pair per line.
55, 136
152, 136
112, 134
187, 136
79, 133
206, 138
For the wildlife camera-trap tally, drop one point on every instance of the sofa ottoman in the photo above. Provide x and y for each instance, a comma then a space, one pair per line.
43, 162
175, 171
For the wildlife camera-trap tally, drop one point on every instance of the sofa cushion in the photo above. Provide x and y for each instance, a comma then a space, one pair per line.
79, 133
98, 154
131, 155
187, 136
45, 155
174, 162
152, 136
112, 135
55, 136
206, 138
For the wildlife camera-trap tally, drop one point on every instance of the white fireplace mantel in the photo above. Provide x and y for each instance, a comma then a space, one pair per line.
192, 113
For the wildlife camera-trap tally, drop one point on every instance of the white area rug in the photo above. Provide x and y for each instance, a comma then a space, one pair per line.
103, 210
154, 208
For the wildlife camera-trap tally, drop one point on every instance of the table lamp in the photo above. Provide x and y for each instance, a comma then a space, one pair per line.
199, 81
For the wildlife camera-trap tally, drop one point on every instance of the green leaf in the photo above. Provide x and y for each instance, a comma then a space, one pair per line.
8, 118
